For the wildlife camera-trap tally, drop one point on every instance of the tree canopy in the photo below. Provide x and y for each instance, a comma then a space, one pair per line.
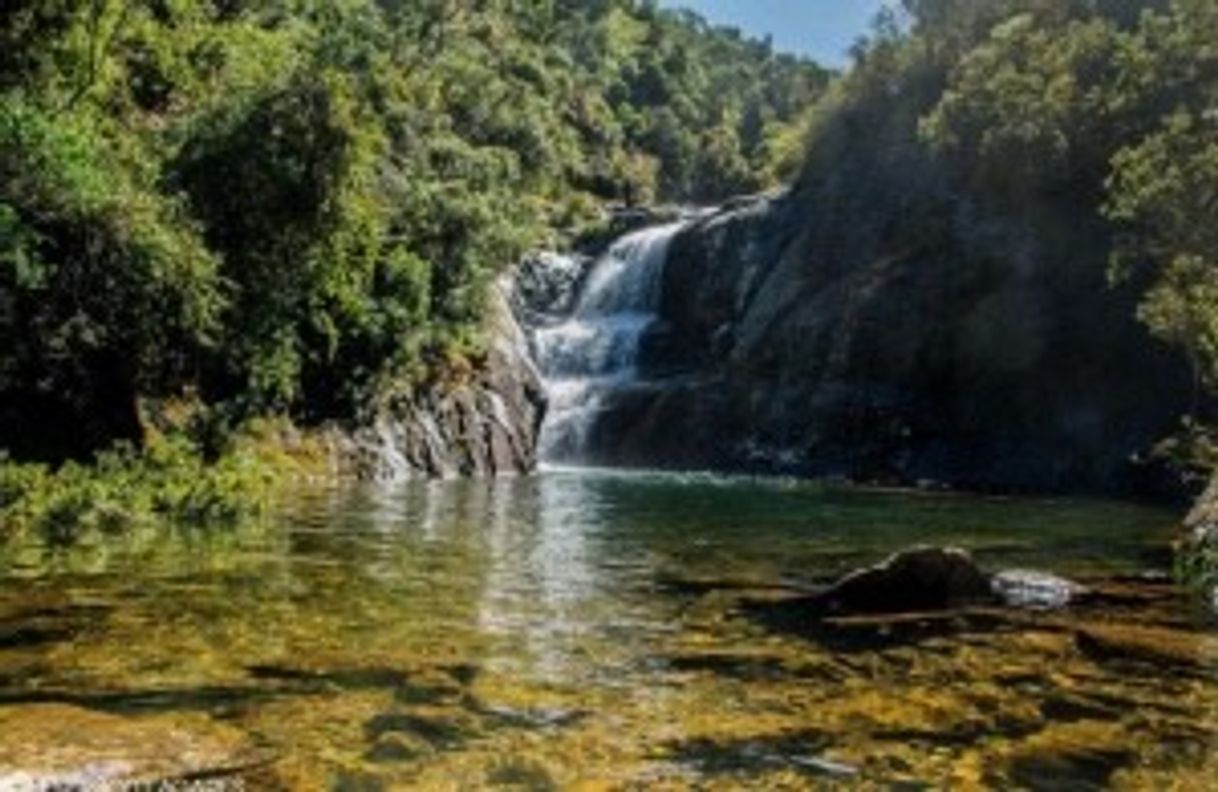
280, 204
1102, 114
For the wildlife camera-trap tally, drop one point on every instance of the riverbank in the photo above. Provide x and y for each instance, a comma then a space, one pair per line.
171, 482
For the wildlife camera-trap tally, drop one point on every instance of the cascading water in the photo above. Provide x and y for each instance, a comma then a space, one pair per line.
594, 353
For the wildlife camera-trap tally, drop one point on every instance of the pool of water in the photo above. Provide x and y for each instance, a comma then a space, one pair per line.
590, 629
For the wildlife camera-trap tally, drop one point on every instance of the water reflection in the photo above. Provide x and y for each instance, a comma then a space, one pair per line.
540, 578
455, 617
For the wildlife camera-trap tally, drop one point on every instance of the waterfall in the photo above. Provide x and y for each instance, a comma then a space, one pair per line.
593, 354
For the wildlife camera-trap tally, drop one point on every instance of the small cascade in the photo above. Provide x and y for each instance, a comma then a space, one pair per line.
594, 352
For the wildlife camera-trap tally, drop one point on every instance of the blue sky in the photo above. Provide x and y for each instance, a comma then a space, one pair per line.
824, 29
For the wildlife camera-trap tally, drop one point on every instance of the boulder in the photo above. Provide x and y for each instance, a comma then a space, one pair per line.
1021, 588
921, 579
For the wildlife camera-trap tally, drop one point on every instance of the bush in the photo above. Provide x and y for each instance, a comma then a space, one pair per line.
167, 483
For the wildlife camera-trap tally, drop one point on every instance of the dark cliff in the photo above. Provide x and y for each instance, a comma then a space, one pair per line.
986, 353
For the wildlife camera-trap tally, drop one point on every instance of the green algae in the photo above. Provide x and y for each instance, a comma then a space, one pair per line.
522, 635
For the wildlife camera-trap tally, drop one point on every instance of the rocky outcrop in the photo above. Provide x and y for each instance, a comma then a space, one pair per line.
989, 354
485, 427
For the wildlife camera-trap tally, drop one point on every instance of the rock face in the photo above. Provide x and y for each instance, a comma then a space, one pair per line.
989, 355
486, 427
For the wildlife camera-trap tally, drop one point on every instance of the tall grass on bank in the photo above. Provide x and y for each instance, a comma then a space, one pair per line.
168, 482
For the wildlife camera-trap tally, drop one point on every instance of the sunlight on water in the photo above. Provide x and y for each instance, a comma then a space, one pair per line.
595, 626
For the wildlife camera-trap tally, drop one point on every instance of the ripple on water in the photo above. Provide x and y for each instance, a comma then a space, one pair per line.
602, 626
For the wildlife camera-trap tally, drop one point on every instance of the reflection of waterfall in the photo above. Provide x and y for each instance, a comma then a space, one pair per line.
595, 351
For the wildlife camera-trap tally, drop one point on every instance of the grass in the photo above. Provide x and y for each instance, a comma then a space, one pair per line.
168, 481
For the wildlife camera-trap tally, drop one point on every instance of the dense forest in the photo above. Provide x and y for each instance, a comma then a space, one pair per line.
1089, 125
277, 207
1085, 131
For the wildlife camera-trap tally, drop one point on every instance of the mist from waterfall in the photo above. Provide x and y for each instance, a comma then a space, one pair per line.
594, 353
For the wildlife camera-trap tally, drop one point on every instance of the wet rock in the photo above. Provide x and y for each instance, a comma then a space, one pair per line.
518, 773
1021, 588
922, 579
732, 666
814, 348
346, 781
20, 636
56, 746
825, 767
484, 425
546, 286
372, 678
416, 694
762, 753
463, 673
1071, 708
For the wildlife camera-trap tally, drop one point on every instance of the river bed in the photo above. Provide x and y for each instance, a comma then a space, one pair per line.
597, 630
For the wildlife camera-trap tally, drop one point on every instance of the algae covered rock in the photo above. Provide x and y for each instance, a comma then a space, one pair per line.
1159, 646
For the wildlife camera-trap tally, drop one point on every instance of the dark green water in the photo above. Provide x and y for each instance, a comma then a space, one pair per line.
529, 634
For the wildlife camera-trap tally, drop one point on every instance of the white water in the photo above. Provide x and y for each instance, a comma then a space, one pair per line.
594, 353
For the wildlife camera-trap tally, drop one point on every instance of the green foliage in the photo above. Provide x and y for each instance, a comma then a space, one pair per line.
1164, 191
167, 482
1192, 450
106, 289
1038, 110
286, 205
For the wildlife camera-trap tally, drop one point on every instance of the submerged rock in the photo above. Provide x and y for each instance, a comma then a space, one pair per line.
1159, 646
1021, 588
921, 579
53, 746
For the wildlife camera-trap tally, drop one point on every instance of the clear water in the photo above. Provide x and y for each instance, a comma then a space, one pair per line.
584, 629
